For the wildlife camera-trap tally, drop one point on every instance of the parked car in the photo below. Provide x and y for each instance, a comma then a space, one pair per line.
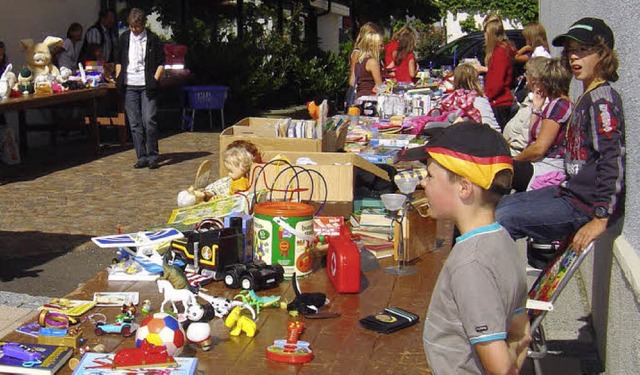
468, 47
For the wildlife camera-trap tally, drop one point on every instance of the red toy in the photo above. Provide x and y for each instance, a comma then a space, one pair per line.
147, 355
291, 350
343, 262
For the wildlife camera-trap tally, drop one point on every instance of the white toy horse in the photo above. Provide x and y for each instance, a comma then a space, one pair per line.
170, 294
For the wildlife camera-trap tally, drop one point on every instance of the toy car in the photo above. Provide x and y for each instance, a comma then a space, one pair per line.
124, 328
256, 275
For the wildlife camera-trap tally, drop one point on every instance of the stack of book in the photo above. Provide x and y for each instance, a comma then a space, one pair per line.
372, 226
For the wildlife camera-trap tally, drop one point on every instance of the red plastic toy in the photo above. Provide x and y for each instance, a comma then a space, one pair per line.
291, 350
343, 262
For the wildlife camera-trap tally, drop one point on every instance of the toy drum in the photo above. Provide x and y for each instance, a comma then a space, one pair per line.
283, 234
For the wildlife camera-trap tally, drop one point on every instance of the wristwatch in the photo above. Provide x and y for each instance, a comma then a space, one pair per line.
600, 212
537, 112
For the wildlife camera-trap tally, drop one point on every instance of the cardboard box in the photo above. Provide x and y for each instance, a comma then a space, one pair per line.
262, 133
337, 169
419, 235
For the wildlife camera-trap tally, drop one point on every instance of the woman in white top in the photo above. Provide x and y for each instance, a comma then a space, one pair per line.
68, 57
536, 44
465, 77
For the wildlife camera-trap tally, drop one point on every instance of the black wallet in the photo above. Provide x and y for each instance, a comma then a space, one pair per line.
389, 320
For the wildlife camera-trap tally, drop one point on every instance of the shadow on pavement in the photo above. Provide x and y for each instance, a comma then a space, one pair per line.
178, 157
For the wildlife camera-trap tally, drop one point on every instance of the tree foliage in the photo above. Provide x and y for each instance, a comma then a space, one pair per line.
382, 12
524, 11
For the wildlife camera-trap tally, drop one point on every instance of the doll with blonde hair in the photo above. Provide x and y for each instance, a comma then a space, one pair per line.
238, 160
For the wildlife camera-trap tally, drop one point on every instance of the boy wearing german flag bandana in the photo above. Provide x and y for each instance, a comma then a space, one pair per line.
476, 321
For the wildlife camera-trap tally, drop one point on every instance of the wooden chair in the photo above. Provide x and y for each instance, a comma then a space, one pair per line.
543, 294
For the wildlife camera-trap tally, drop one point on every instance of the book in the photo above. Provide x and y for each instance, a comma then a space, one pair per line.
94, 363
68, 307
116, 299
129, 270
374, 216
53, 358
31, 329
383, 250
376, 232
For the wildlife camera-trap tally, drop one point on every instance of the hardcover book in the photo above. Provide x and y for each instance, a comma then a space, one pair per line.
52, 359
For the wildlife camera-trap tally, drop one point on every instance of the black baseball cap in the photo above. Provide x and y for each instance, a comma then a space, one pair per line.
585, 31
469, 149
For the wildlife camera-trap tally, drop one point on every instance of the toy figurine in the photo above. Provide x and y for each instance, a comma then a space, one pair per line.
222, 306
240, 323
306, 303
291, 350
250, 298
146, 306
197, 326
172, 295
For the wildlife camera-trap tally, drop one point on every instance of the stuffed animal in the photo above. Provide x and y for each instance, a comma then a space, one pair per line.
38, 55
306, 303
7, 81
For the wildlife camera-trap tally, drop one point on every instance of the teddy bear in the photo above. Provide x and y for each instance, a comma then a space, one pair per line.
38, 55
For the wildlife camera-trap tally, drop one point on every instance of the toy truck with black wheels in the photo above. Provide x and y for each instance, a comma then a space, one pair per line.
209, 251
256, 275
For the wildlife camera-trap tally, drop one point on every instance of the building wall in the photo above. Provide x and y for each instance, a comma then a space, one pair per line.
329, 25
37, 19
613, 274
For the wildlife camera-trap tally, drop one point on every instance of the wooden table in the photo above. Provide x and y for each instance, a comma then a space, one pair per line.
340, 345
88, 96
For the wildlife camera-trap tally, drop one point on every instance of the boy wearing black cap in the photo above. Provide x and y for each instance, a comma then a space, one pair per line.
595, 150
476, 321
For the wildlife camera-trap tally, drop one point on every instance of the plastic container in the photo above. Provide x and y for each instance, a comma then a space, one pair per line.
206, 97
283, 234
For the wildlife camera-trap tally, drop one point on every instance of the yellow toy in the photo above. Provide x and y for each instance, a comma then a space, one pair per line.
240, 323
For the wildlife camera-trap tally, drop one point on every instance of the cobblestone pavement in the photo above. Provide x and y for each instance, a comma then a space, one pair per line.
60, 197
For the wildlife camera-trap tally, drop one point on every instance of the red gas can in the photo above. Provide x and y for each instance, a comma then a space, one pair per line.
343, 262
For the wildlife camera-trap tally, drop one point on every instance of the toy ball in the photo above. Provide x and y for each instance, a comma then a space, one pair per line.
161, 329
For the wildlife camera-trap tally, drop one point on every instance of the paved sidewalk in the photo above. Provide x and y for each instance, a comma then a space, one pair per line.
58, 198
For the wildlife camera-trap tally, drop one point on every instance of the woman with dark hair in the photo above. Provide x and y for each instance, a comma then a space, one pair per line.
68, 56
405, 61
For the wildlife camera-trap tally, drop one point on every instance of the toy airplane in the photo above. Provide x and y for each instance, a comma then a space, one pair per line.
145, 243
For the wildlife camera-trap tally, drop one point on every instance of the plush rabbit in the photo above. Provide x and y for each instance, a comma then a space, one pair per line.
38, 55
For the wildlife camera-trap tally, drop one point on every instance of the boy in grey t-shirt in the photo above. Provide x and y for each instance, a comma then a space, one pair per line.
476, 321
